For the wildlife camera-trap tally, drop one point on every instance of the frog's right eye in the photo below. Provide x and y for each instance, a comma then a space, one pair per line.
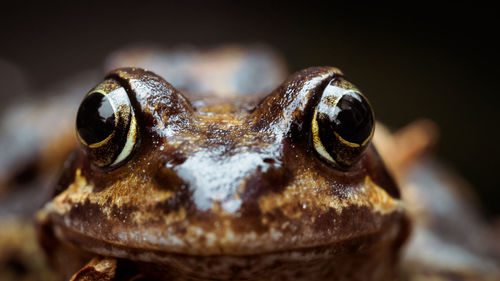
106, 125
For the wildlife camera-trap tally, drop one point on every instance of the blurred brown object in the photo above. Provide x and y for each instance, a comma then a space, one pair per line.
450, 239
20, 256
407, 145
36, 135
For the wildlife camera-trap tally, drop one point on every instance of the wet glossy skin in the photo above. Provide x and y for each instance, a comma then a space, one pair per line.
229, 188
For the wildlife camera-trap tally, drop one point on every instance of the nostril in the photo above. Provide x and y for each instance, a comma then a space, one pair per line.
175, 159
171, 159
165, 176
269, 161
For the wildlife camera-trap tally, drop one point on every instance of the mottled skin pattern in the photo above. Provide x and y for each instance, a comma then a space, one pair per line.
225, 189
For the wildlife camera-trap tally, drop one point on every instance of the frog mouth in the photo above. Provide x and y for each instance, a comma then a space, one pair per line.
363, 253
394, 234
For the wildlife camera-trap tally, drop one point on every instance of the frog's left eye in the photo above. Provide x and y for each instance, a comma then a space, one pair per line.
106, 125
343, 124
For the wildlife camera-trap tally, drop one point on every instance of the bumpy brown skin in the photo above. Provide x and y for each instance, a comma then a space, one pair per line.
227, 189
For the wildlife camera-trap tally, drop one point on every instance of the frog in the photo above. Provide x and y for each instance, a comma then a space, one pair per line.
165, 185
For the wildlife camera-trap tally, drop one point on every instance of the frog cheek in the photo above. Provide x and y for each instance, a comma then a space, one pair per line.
106, 125
342, 125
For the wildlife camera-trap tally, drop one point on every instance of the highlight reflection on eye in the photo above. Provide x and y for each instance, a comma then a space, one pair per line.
106, 125
343, 124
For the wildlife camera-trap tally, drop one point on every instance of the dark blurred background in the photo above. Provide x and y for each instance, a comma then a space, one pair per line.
414, 62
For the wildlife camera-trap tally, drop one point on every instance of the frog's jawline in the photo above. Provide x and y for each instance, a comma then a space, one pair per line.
349, 245
355, 256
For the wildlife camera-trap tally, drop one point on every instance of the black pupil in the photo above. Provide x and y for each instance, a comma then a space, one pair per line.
95, 120
354, 120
